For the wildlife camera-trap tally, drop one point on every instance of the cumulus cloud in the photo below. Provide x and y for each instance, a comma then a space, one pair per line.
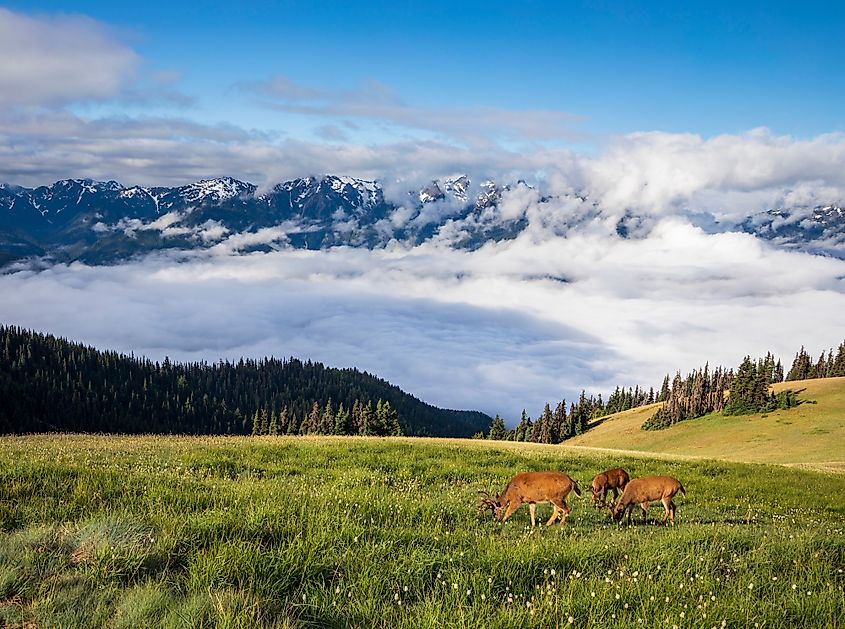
727, 175
508, 326
58, 60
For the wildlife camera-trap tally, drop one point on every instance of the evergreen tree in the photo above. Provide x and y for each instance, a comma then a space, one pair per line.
390, 420
313, 421
819, 370
327, 420
293, 425
664, 390
547, 428
342, 425
497, 429
367, 419
801, 366
560, 421
523, 427
838, 368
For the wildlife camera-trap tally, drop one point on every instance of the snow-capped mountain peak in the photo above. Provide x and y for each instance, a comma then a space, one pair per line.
215, 190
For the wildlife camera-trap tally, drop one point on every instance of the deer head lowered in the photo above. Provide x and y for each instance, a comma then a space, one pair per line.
531, 488
615, 480
641, 491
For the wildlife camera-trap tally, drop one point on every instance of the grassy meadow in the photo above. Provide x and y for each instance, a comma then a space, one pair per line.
810, 435
295, 532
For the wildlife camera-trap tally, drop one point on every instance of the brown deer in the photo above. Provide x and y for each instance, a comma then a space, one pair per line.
531, 488
641, 491
614, 479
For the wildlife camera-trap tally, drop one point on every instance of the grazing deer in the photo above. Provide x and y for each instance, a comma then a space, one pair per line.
531, 488
641, 491
614, 479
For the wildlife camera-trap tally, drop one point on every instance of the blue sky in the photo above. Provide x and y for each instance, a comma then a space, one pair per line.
615, 67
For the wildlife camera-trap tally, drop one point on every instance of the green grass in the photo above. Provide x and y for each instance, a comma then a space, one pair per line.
292, 532
809, 435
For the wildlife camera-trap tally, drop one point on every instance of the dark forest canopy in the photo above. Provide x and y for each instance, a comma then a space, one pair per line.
49, 384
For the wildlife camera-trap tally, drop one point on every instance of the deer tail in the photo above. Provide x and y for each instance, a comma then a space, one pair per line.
683, 491
576, 487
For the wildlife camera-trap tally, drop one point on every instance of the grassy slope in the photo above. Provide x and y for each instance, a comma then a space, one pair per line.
285, 532
810, 435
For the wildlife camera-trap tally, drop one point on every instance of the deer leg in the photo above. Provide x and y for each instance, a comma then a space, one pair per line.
644, 507
615, 495
532, 507
604, 496
556, 511
512, 506
667, 506
566, 510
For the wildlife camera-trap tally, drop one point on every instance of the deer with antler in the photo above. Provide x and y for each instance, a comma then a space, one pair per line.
531, 488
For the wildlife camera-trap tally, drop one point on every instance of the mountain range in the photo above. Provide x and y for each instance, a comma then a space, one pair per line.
98, 222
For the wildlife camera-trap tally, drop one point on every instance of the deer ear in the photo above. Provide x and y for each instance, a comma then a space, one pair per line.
497, 495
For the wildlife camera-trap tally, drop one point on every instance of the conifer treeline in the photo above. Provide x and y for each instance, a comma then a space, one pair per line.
559, 425
360, 419
829, 366
700, 392
745, 392
50, 384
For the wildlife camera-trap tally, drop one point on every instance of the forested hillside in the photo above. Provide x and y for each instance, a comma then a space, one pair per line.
51, 384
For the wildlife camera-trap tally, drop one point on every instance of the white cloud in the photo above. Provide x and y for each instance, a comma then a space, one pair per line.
511, 325
374, 101
58, 60
727, 175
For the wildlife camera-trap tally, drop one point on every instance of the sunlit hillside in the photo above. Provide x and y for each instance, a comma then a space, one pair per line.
813, 434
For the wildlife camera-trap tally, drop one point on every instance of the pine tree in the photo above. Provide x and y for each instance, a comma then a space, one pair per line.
547, 430
819, 370
293, 425
801, 366
327, 420
838, 369
497, 429
559, 418
273, 428
313, 421
392, 427
522, 427
284, 419
664, 390
367, 418
341, 422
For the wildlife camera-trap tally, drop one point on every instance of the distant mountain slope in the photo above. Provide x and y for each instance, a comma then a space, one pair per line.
819, 229
811, 434
100, 222
49, 384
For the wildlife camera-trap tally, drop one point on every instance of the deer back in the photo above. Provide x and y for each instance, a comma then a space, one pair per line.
537, 487
649, 489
